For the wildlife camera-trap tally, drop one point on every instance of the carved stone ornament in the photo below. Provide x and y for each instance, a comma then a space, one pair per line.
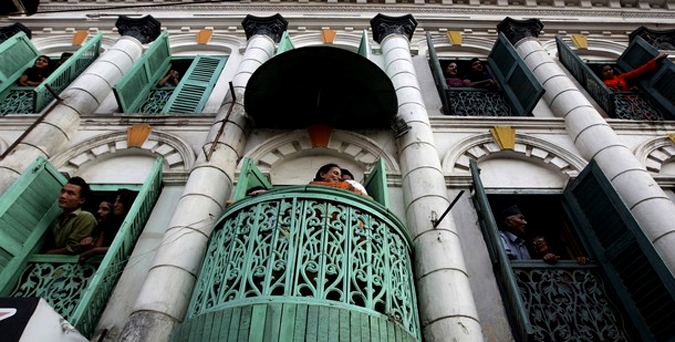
515, 30
7, 32
273, 26
660, 39
385, 25
145, 29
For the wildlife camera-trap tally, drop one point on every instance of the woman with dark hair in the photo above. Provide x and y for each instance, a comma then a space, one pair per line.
620, 82
104, 235
36, 74
331, 175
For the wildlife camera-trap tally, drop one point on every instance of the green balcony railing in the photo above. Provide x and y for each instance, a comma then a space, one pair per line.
26, 100
567, 302
80, 292
303, 262
465, 101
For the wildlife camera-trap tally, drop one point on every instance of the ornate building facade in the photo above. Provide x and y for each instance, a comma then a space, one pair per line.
269, 92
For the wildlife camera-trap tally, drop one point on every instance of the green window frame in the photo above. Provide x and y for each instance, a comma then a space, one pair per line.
643, 287
191, 94
520, 87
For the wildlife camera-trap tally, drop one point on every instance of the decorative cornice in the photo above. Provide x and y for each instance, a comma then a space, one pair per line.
273, 26
385, 25
516, 30
145, 29
660, 39
7, 32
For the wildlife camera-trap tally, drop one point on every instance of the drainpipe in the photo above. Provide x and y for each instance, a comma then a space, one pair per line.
595, 139
446, 304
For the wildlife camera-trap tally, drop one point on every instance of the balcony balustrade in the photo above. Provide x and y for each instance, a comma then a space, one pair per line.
464, 101
567, 302
303, 263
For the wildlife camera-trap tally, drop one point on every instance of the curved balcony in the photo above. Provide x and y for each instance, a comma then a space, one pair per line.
305, 263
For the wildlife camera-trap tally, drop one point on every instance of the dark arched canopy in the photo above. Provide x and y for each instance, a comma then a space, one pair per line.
320, 85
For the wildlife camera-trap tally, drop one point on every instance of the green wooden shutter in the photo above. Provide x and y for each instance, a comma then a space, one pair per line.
586, 77
16, 54
376, 183
515, 308
658, 86
133, 88
364, 46
249, 177
629, 261
103, 282
194, 89
67, 72
285, 44
27, 210
521, 88
439, 77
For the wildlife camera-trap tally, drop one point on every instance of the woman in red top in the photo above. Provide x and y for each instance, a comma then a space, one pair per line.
619, 82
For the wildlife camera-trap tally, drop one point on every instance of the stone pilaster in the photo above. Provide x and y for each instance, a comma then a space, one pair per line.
164, 297
595, 139
446, 303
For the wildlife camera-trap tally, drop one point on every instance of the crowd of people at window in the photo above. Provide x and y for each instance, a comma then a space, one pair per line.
41, 69
475, 77
513, 235
78, 231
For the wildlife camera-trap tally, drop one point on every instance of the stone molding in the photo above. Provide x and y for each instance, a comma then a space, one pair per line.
273, 26
655, 152
384, 25
145, 29
539, 151
357, 147
177, 154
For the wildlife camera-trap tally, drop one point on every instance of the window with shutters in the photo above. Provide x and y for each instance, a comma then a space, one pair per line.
138, 90
517, 90
624, 293
18, 54
77, 291
651, 97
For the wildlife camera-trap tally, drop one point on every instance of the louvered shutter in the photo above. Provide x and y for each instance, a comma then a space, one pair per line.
658, 86
376, 183
521, 88
16, 54
439, 77
249, 177
67, 72
586, 77
515, 308
133, 88
27, 210
629, 261
285, 44
194, 89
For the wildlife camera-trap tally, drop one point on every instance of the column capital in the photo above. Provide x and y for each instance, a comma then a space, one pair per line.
7, 32
515, 30
145, 29
659, 39
385, 25
273, 26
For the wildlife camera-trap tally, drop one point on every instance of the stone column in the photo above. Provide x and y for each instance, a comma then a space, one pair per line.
446, 304
82, 96
166, 291
595, 139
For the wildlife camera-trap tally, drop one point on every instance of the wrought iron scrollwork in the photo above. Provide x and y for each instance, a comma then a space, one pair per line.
478, 102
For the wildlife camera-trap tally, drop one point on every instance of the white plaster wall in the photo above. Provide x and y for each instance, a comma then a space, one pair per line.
432, 101
505, 172
120, 168
121, 301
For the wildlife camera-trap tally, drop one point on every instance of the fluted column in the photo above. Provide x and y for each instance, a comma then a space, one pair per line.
446, 304
595, 139
81, 97
166, 291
